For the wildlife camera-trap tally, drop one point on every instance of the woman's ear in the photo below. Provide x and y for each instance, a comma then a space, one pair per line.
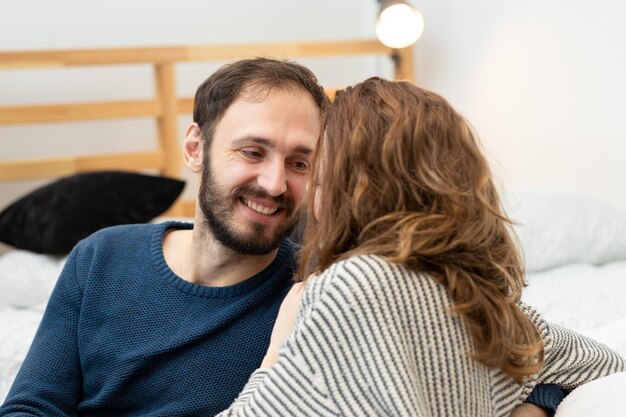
192, 148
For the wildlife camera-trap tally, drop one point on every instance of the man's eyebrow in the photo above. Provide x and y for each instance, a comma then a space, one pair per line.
300, 149
303, 150
256, 139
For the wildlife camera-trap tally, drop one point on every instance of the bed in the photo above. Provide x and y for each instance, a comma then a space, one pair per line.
574, 246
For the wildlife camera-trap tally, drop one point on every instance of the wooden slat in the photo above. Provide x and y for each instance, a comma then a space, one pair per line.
288, 49
81, 111
167, 126
54, 167
74, 57
404, 64
64, 58
348, 47
185, 105
165, 86
182, 208
330, 92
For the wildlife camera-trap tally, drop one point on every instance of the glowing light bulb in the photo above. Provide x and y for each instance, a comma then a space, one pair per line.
399, 25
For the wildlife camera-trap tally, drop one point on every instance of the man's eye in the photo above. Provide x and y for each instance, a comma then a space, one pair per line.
300, 165
251, 153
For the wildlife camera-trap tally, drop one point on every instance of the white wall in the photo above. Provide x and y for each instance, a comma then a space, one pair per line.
542, 82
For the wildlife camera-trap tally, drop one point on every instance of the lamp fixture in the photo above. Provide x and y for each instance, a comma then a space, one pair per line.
399, 24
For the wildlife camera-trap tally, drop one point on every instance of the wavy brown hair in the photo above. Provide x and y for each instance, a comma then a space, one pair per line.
403, 176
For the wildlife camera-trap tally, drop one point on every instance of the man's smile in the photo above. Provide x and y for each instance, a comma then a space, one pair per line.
259, 207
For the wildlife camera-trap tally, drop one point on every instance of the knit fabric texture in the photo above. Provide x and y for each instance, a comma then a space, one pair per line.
548, 397
376, 339
124, 336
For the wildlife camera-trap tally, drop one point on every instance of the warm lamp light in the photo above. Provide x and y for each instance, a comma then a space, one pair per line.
399, 24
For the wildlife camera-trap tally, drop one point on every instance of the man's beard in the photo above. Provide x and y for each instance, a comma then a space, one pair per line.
218, 210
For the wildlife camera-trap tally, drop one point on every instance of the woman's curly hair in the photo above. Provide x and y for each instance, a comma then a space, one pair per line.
402, 175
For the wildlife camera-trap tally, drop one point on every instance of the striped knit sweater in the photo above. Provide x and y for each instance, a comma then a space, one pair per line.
374, 339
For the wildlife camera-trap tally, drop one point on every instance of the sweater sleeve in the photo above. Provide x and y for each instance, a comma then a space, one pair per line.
343, 358
571, 359
546, 396
49, 381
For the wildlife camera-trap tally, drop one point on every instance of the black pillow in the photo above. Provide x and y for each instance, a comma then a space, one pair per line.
52, 219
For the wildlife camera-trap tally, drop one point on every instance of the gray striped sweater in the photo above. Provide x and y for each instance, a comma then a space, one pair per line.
374, 339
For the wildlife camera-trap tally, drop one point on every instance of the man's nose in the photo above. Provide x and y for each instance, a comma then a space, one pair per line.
273, 180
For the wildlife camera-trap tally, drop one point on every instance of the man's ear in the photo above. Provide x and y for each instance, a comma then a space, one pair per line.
192, 148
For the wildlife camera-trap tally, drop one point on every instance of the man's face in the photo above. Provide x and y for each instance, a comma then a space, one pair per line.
256, 170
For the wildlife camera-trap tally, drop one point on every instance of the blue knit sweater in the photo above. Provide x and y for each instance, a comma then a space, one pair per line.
124, 336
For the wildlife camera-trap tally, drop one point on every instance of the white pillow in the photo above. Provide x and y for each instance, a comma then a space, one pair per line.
612, 335
602, 397
559, 228
27, 278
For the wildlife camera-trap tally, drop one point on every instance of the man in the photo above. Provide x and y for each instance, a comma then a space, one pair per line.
170, 319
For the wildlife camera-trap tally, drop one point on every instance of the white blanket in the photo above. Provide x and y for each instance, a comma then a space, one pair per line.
590, 299
603, 397
26, 280
17, 329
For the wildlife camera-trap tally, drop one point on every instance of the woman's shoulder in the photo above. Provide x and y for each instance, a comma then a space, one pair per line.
361, 271
371, 280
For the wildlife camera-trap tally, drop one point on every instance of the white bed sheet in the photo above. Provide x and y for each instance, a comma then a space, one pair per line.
17, 329
26, 280
590, 299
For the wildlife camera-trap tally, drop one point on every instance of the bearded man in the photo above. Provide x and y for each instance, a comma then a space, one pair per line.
170, 319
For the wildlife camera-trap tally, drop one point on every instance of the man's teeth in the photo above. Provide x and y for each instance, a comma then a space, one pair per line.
259, 208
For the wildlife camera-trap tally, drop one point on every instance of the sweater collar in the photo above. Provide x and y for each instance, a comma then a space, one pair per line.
283, 258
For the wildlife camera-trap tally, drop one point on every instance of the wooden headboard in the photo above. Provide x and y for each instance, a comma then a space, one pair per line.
164, 107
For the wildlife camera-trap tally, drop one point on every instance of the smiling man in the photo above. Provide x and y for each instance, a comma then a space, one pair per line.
256, 168
171, 319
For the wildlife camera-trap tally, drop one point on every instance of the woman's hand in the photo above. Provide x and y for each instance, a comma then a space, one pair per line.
284, 323
528, 410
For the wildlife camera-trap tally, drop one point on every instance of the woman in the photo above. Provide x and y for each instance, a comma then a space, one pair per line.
413, 308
